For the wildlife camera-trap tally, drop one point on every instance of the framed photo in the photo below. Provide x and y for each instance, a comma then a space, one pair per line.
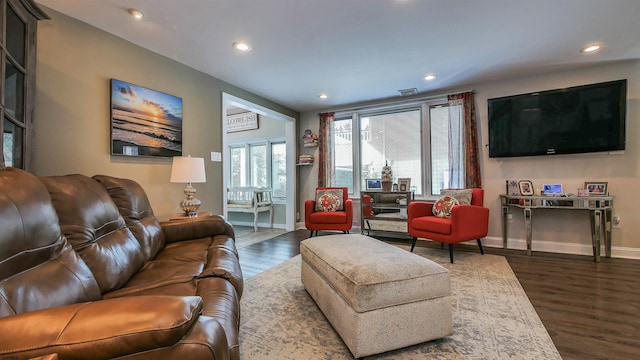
596, 187
512, 188
526, 187
404, 184
144, 122
373, 184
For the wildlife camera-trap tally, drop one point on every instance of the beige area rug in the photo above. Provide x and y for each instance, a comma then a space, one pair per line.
245, 235
492, 316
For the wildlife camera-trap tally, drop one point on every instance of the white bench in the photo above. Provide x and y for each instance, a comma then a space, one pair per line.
251, 200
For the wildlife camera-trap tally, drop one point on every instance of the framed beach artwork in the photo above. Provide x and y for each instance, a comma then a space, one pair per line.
144, 122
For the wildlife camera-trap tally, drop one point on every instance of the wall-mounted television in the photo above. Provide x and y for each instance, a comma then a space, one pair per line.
588, 118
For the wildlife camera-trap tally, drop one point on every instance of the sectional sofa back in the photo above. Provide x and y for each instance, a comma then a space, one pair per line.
135, 208
38, 267
91, 222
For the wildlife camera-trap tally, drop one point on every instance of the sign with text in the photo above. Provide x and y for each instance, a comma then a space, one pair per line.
241, 122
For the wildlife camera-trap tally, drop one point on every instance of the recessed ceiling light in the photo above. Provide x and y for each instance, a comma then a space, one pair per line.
591, 48
137, 14
241, 46
430, 77
323, 96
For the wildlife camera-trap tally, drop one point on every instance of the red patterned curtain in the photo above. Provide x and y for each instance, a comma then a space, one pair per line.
326, 158
471, 156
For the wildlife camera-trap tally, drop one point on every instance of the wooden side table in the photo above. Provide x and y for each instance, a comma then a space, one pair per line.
185, 217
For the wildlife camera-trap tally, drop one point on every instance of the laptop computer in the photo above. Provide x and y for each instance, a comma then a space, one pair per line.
552, 189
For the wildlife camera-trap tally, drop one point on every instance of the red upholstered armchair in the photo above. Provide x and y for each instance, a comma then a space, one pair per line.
467, 222
331, 209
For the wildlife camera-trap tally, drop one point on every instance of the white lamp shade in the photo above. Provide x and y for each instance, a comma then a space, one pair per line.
187, 170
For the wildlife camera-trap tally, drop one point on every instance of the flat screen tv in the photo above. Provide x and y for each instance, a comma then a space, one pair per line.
589, 118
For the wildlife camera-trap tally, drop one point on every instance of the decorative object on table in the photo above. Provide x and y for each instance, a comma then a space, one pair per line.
512, 188
395, 187
387, 177
309, 139
404, 184
144, 122
596, 187
552, 189
188, 170
526, 187
242, 122
583, 192
373, 184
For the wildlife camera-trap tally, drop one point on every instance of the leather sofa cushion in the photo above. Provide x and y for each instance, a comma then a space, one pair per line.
38, 268
184, 262
102, 329
92, 223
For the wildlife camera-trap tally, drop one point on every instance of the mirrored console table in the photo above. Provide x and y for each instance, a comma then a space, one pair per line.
600, 211
385, 211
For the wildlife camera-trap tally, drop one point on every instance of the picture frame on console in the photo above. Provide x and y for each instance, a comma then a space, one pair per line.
525, 187
596, 187
373, 184
404, 184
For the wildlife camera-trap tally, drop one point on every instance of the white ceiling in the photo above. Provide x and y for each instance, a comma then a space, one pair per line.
359, 50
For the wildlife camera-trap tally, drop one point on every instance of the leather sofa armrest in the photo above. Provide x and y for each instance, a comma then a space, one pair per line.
196, 228
100, 329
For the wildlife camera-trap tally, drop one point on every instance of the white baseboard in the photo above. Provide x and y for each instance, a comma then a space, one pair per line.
260, 224
559, 247
546, 246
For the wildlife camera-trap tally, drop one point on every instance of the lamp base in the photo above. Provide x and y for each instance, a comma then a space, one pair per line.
190, 204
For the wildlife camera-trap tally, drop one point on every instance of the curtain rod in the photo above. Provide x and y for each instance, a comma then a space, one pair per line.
383, 103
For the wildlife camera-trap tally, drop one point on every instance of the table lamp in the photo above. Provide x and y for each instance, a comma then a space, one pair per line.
188, 170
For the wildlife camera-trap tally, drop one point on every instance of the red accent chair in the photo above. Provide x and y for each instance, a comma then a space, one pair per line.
467, 222
329, 220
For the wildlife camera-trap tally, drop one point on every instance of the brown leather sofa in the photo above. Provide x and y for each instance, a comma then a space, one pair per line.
88, 272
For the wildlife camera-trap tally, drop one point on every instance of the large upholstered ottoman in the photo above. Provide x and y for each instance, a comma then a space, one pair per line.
376, 296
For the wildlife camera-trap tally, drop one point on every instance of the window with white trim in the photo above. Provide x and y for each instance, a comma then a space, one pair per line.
260, 164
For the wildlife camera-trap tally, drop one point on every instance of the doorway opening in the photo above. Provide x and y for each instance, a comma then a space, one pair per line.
284, 207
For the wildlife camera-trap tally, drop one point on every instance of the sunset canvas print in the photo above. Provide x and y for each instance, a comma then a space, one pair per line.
144, 122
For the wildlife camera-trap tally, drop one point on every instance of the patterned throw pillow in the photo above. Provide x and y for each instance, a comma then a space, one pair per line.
462, 195
442, 207
329, 200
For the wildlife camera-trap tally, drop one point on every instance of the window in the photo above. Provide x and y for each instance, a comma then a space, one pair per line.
260, 164
413, 139
343, 133
279, 170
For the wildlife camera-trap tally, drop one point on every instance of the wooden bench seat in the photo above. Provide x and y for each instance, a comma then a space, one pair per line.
251, 200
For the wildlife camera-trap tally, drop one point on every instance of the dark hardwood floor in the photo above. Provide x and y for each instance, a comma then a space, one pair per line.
591, 310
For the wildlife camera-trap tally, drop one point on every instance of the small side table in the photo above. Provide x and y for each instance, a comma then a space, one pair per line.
185, 217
